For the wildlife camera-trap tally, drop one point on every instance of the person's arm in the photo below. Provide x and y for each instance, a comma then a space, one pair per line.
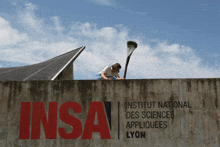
120, 78
104, 77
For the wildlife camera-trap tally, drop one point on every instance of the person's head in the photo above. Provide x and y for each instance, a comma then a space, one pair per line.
116, 67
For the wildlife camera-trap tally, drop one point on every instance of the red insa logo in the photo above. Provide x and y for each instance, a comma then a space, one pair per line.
50, 125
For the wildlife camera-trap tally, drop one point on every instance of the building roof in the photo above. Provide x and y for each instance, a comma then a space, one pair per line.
47, 70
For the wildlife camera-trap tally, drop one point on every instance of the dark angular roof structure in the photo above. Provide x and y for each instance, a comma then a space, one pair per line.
47, 70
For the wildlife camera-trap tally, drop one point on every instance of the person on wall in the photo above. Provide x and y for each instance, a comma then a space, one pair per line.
110, 73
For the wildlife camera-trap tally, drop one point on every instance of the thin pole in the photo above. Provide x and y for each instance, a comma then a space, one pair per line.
131, 46
126, 65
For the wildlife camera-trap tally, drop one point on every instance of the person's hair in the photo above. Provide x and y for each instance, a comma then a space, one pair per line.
116, 66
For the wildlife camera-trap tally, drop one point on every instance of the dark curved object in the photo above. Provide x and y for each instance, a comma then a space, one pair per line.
132, 43
129, 43
47, 70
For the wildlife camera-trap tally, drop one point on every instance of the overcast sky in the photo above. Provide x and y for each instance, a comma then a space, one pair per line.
176, 38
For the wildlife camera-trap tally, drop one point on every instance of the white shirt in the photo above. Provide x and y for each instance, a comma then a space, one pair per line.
108, 72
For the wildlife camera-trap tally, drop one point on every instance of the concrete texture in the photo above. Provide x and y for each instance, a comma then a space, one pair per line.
156, 112
66, 74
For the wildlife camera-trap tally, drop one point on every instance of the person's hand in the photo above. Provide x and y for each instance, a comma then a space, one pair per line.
122, 79
108, 79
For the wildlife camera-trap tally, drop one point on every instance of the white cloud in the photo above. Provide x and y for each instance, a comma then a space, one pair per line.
30, 21
161, 61
112, 3
105, 46
104, 2
168, 61
57, 24
8, 35
30, 6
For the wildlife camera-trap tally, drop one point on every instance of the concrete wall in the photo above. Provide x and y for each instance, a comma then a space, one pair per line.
66, 74
160, 112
